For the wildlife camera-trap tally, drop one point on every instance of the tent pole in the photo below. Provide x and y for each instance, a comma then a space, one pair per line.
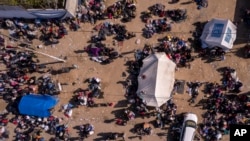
38, 52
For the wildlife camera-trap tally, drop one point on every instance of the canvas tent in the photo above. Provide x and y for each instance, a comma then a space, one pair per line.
220, 33
71, 6
37, 105
156, 79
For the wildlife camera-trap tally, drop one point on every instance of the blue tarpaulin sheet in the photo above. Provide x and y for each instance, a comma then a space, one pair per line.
50, 13
37, 105
9, 12
14, 12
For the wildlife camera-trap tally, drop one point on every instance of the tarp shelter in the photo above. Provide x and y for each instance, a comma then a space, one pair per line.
37, 105
50, 13
219, 33
9, 12
156, 79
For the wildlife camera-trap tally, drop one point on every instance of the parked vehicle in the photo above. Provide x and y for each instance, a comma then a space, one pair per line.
189, 127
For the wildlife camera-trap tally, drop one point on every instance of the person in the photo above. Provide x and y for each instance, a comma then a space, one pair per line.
2, 130
223, 57
88, 129
38, 136
218, 136
68, 113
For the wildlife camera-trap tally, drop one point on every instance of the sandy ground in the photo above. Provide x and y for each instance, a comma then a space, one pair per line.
112, 73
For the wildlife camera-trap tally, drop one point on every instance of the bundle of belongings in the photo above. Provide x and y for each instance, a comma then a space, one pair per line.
109, 29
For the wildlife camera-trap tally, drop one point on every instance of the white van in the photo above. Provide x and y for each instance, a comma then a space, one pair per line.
189, 127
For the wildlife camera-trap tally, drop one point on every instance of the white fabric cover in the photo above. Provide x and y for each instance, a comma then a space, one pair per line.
156, 79
220, 33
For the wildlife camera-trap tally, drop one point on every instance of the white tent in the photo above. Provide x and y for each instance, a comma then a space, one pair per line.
71, 6
156, 79
220, 33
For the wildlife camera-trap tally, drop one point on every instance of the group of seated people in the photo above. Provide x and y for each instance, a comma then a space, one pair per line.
91, 11
16, 82
86, 97
230, 81
50, 30
19, 29
213, 53
94, 10
177, 49
175, 15
222, 109
156, 26
51, 125
102, 54
167, 114
108, 29
125, 9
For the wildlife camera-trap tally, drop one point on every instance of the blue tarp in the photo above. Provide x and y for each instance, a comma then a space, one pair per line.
9, 12
50, 13
37, 105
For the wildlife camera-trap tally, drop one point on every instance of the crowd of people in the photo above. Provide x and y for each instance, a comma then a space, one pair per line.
48, 31
86, 97
164, 24
177, 49
125, 9
166, 115
223, 109
31, 128
100, 53
93, 10
156, 26
16, 82
230, 81
215, 53
108, 29
176, 15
